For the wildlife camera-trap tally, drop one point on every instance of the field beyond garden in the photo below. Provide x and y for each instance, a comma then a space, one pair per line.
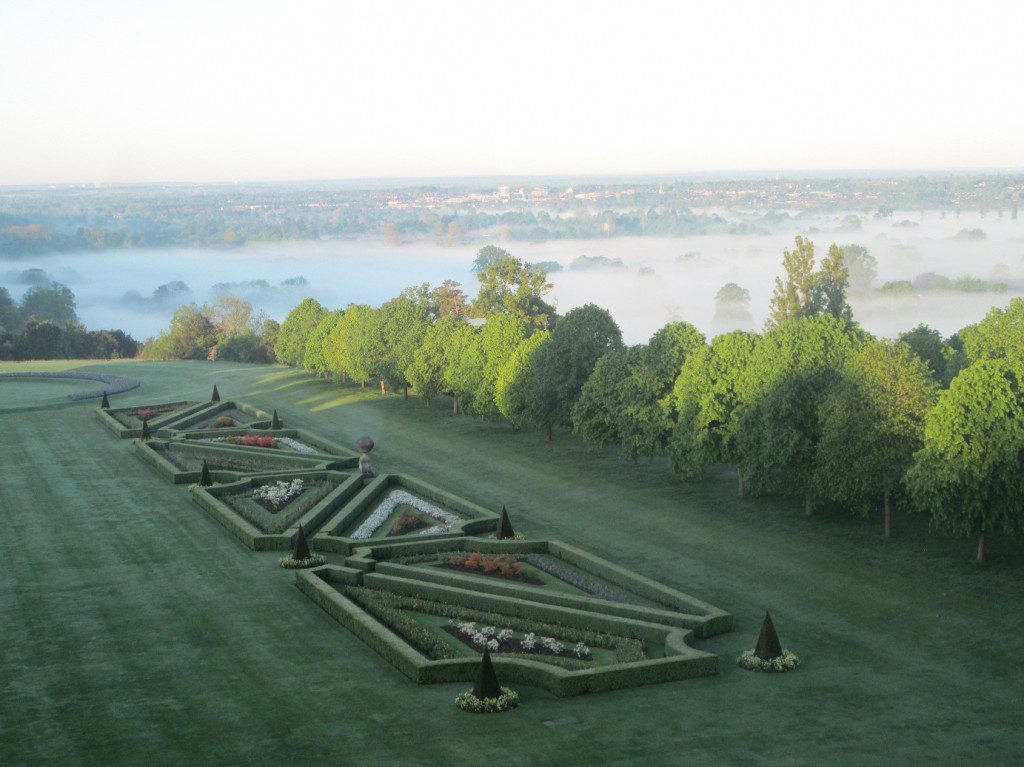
135, 629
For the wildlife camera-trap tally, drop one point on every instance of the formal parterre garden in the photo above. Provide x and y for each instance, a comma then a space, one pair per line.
436, 584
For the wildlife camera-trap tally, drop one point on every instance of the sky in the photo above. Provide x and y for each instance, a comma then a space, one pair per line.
104, 92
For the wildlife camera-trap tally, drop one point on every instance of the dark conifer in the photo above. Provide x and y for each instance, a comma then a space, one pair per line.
275, 422
504, 526
105, 404
216, 394
204, 478
145, 430
301, 550
768, 645
487, 685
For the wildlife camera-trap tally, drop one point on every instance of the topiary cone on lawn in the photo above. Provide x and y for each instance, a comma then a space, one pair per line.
205, 480
504, 526
487, 685
145, 430
275, 422
768, 645
216, 394
301, 550
105, 404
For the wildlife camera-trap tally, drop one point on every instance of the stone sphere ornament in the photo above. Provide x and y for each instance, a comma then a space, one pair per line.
364, 445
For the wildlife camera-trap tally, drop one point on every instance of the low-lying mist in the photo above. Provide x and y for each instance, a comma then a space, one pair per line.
644, 282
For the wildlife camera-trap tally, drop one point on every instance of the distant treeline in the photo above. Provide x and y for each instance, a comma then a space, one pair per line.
35, 221
44, 326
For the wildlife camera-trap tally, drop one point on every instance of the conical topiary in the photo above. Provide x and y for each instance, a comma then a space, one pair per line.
768, 645
145, 430
275, 422
216, 394
105, 404
301, 550
504, 526
487, 685
205, 479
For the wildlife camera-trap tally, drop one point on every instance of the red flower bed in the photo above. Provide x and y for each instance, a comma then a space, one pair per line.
145, 414
252, 440
498, 566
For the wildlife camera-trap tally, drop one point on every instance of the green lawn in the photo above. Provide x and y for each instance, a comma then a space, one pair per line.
135, 630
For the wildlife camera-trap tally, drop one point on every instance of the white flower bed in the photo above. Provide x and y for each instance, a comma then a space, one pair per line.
396, 498
278, 493
493, 639
294, 444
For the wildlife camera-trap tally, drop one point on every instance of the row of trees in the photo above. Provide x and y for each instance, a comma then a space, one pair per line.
815, 406
44, 325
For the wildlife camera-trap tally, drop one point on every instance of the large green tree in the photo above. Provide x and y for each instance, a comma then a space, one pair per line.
795, 290
399, 328
999, 334
190, 336
706, 400
317, 358
354, 350
497, 341
508, 285
561, 367
426, 370
968, 474
514, 383
872, 423
295, 331
780, 391
10, 317
597, 414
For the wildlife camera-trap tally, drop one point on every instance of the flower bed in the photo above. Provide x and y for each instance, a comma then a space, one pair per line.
274, 496
392, 501
594, 588
270, 520
188, 460
505, 641
785, 662
503, 566
251, 440
409, 522
294, 444
390, 608
131, 418
467, 701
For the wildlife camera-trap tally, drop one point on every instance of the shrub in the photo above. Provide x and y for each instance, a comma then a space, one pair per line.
467, 701
787, 661
223, 422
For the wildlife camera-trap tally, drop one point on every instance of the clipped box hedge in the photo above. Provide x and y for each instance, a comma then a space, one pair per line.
152, 452
476, 519
127, 432
675, 607
324, 448
681, 661
210, 500
261, 418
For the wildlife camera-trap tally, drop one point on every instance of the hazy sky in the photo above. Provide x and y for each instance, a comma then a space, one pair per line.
146, 91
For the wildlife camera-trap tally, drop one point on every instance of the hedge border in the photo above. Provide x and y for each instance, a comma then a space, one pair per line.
182, 423
475, 518
681, 662
677, 608
325, 448
208, 499
125, 432
178, 476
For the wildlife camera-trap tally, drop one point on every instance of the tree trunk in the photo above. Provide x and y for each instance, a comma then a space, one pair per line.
405, 391
455, 404
981, 548
549, 434
808, 510
481, 418
383, 388
362, 383
888, 515
428, 401
739, 478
